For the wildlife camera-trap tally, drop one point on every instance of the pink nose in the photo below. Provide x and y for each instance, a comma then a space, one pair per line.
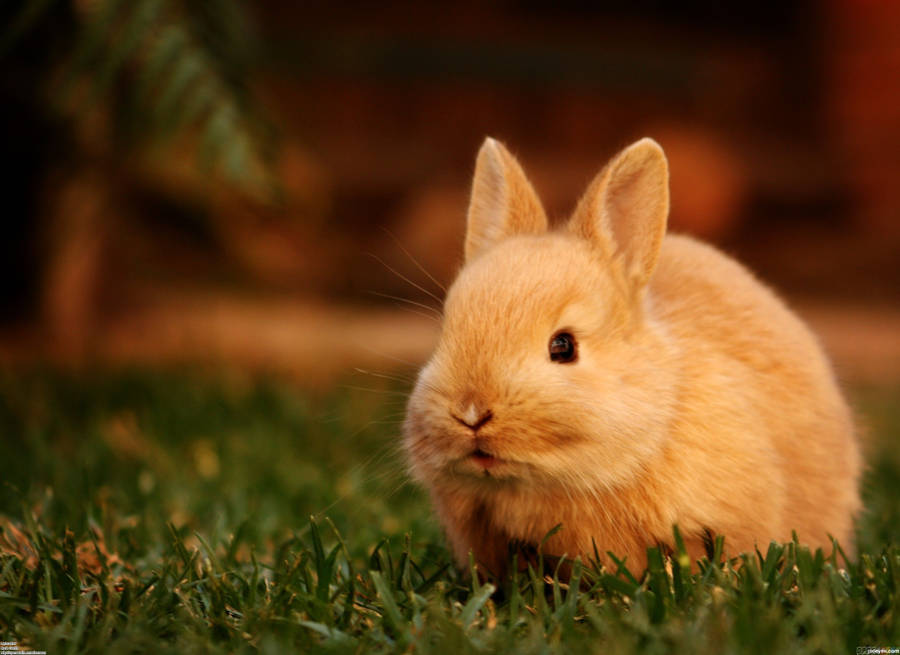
474, 417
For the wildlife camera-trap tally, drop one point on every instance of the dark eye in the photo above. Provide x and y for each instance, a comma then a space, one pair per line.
562, 348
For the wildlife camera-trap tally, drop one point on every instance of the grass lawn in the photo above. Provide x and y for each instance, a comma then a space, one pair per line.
171, 512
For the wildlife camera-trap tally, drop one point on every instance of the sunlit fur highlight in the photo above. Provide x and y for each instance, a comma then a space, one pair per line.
697, 398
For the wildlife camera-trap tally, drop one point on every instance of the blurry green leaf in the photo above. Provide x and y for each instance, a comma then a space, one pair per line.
237, 159
158, 67
215, 138
137, 28
166, 50
187, 69
199, 101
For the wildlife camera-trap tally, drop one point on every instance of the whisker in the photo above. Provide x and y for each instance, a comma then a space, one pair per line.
392, 357
386, 392
408, 301
373, 463
395, 415
386, 421
430, 317
413, 259
398, 487
403, 277
395, 378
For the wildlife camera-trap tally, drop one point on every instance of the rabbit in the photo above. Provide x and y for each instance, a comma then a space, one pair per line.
618, 381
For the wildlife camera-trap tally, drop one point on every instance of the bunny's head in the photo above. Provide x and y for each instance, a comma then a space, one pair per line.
550, 371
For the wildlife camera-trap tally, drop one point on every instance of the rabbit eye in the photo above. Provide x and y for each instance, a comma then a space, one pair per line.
562, 348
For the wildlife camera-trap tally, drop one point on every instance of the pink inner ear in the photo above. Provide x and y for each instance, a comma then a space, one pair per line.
635, 206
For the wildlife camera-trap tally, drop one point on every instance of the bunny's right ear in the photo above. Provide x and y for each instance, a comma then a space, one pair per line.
503, 201
624, 210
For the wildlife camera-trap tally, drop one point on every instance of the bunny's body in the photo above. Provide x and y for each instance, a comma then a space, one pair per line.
676, 389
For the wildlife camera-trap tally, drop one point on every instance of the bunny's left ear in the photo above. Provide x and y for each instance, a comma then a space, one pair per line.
503, 202
624, 210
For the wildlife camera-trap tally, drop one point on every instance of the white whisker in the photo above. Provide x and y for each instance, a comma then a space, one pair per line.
391, 357
413, 259
386, 392
428, 316
432, 315
408, 301
404, 278
395, 378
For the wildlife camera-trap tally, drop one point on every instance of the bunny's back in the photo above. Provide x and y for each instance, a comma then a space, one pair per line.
755, 386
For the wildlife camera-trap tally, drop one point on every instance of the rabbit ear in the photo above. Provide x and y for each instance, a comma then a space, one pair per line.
625, 208
503, 201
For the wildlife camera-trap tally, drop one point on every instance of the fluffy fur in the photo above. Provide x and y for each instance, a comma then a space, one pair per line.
697, 398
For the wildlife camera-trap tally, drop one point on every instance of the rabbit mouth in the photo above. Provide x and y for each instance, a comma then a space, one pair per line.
483, 459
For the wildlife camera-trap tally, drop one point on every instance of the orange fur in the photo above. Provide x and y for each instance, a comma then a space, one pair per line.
697, 397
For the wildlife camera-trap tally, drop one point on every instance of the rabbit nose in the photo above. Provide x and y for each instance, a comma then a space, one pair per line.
474, 417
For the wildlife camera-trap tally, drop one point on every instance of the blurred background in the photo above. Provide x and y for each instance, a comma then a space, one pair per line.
250, 183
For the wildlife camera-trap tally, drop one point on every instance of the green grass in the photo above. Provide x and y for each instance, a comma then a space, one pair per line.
170, 512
